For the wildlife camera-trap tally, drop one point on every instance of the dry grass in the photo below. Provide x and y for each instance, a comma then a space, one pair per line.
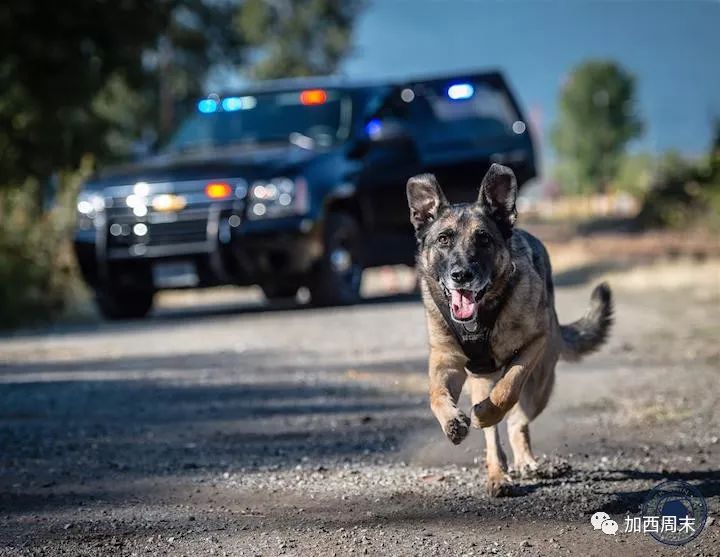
675, 275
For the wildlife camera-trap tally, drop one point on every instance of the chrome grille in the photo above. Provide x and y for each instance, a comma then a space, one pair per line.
185, 229
178, 232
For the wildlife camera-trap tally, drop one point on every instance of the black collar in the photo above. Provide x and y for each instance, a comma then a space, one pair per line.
476, 344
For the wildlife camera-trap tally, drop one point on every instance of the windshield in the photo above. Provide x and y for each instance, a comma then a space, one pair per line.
310, 118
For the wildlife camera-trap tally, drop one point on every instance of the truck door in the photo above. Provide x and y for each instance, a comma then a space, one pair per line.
390, 159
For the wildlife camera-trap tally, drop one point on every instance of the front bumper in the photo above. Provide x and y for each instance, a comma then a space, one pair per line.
223, 248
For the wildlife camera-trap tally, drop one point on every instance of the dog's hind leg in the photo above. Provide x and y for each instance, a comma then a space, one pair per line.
524, 462
499, 483
533, 399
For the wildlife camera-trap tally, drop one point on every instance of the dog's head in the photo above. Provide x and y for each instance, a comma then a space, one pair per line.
464, 248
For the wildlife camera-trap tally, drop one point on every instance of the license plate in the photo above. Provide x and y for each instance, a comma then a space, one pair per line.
175, 274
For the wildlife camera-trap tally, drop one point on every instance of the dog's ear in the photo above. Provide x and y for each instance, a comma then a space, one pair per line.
498, 193
425, 199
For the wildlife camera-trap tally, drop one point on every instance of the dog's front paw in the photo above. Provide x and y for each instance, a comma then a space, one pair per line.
486, 414
457, 428
500, 485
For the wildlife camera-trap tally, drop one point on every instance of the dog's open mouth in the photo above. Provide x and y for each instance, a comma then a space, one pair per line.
464, 304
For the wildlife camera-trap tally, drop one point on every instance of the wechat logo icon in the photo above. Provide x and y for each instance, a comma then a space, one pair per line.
602, 521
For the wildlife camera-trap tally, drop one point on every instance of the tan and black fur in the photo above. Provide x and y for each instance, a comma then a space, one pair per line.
473, 253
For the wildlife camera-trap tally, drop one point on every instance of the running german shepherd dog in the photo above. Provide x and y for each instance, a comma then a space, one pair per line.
488, 294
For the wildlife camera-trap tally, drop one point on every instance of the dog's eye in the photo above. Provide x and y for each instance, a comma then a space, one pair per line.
444, 239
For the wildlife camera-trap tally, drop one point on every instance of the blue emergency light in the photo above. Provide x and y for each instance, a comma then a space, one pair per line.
460, 91
207, 106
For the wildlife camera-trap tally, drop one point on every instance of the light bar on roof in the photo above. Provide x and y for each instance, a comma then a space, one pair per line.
231, 104
207, 106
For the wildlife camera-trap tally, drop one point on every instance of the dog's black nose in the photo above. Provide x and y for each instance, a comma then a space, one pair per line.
460, 275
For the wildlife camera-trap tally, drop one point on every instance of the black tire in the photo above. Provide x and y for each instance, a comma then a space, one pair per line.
280, 292
336, 279
124, 304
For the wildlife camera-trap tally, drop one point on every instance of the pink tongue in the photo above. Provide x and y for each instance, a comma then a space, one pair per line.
462, 303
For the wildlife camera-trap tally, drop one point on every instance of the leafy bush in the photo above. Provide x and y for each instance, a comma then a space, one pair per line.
684, 194
37, 266
635, 175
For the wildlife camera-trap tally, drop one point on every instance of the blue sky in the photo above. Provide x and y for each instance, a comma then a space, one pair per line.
672, 47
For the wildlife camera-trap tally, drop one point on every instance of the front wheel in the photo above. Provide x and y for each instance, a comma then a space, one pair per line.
336, 280
118, 304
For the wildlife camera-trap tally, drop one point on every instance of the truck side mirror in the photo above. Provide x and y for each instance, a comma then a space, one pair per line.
379, 132
386, 130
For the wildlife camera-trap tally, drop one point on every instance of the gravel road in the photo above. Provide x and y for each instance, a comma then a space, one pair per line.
226, 430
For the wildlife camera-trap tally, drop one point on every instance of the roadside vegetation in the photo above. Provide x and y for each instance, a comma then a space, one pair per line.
598, 119
38, 277
685, 194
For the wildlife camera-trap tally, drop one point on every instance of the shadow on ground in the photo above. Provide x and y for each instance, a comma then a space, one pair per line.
707, 482
103, 420
162, 317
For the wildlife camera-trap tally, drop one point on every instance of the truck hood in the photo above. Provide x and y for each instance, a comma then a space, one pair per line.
237, 162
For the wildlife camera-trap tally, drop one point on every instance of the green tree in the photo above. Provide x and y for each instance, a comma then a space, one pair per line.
53, 63
198, 37
90, 79
597, 118
294, 38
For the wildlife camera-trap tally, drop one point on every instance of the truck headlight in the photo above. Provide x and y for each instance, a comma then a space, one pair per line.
90, 205
279, 197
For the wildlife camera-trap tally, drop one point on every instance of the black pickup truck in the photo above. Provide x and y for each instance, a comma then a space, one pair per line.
291, 184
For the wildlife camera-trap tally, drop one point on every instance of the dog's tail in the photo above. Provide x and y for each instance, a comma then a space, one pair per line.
589, 332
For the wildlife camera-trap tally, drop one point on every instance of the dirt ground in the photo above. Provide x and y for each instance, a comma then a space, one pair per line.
219, 428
